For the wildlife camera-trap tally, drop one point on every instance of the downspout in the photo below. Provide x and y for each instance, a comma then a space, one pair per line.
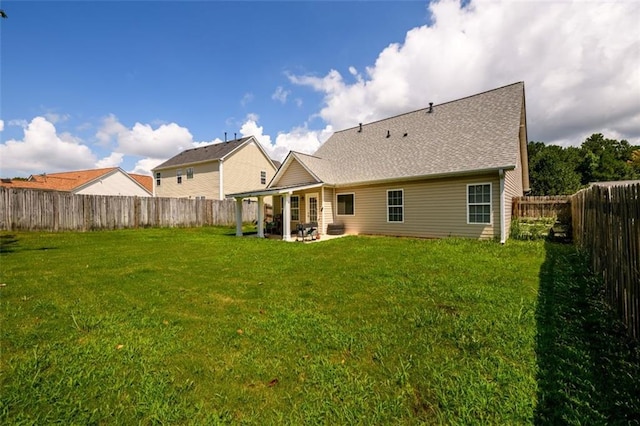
221, 181
503, 222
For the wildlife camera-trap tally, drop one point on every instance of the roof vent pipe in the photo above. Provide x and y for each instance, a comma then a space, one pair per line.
235, 135
430, 107
225, 136
360, 129
388, 133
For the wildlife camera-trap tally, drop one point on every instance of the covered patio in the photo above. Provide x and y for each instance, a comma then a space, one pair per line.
286, 193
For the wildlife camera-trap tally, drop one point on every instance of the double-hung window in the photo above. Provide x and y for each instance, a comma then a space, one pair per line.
295, 207
263, 177
158, 178
346, 204
189, 172
179, 176
395, 205
479, 203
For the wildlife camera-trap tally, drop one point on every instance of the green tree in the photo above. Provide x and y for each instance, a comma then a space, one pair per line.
606, 159
552, 169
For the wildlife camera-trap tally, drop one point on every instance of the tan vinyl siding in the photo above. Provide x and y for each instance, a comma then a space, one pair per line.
205, 182
512, 188
295, 174
241, 170
432, 208
328, 195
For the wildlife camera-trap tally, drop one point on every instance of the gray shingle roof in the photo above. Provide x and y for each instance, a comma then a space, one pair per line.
211, 152
474, 133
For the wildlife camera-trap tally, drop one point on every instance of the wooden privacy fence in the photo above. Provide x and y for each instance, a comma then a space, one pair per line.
606, 224
557, 206
25, 209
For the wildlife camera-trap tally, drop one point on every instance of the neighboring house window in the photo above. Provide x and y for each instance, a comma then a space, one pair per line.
395, 205
479, 203
263, 177
346, 204
158, 176
189, 172
179, 176
295, 207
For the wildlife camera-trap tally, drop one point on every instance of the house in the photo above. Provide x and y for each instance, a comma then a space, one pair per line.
214, 170
104, 181
447, 170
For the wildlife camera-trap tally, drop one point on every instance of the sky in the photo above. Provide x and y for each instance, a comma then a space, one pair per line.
132, 83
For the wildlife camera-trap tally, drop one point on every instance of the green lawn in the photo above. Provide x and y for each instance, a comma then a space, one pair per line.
196, 326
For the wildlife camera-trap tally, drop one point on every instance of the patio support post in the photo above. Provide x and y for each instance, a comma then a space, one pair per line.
260, 216
239, 217
286, 217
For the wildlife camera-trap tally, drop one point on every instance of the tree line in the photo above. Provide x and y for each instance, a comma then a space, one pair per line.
556, 170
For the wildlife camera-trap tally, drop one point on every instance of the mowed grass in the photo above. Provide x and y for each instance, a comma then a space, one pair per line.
196, 326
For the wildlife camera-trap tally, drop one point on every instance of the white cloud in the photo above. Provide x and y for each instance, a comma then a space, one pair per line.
1, 125
280, 95
246, 99
19, 123
143, 140
145, 165
43, 150
579, 62
113, 160
299, 139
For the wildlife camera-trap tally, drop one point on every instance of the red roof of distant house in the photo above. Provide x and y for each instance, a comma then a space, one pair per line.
68, 181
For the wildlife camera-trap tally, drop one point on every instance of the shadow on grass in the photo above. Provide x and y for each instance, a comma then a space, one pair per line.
588, 370
8, 243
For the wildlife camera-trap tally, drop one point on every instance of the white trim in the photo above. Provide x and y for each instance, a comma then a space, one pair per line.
286, 164
490, 203
354, 203
291, 197
220, 181
402, 205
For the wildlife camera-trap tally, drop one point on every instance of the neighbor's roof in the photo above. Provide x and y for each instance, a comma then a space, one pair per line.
211, 152
479, 132
144, 180
69, 181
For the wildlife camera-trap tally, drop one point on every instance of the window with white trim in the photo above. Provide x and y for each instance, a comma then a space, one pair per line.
189, 172
263, 177
295, 207
479, 203
179, 176
395, 205
346, 204
158, 178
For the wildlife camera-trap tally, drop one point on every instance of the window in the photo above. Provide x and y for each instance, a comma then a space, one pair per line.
179, 176
295, 207
346, 204
395, 205
263, 177
189, 172
479, 203
158, 176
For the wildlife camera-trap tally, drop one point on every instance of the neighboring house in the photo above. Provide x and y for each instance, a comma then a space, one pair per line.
106, 181
446, 170
214, 170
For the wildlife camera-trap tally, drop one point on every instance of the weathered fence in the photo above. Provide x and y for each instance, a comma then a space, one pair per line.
606, 224
24, 209
557, 206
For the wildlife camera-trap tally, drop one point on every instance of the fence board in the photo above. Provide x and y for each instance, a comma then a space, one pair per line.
557, 206
25, 209
606, 225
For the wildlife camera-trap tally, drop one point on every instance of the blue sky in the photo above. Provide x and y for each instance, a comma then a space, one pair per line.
130, 84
